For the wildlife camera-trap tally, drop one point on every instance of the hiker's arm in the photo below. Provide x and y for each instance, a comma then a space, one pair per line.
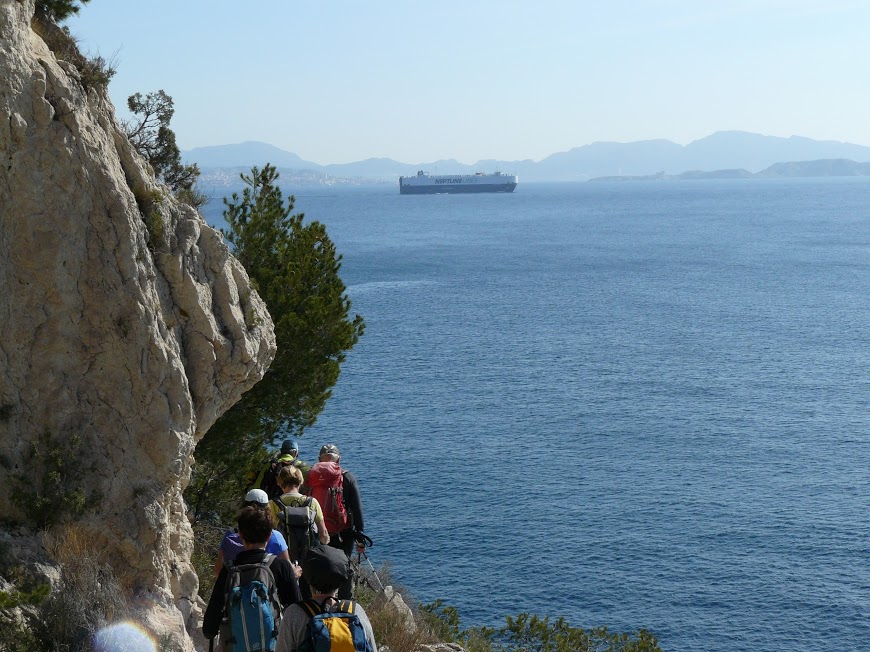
285, 578
219, 565
322, 534
211, 621
285, 555
352, 501
367, 626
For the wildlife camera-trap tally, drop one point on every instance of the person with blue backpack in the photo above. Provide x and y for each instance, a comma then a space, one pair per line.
231, 544
325, 623
251, 591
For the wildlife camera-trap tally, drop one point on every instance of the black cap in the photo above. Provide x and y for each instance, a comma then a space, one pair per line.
325, 568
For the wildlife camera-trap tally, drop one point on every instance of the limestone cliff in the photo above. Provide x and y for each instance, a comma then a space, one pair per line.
124, 321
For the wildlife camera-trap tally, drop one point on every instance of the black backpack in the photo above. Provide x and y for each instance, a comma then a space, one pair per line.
298, 527
269, 483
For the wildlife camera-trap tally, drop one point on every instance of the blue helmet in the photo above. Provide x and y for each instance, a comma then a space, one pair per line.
289, 446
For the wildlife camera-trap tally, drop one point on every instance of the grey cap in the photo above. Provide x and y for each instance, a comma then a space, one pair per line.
331, 449
257, 496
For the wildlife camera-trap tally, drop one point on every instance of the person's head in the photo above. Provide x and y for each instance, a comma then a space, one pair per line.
290, 447
255, 526
325, 569
329, 453
290, 478
256, 498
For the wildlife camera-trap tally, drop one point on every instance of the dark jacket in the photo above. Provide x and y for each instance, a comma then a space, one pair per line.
350, 490
285, 582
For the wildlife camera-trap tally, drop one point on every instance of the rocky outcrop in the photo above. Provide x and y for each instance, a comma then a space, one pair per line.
125, 324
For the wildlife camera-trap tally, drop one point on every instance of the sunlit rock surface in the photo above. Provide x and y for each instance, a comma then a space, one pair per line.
134, 340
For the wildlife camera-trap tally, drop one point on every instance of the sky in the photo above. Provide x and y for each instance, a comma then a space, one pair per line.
336, 81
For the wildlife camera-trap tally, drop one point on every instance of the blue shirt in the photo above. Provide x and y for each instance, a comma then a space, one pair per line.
232, 544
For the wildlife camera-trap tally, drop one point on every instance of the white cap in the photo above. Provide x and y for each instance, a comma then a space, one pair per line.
257, 496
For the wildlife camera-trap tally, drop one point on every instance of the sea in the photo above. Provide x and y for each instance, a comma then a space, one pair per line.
631, 404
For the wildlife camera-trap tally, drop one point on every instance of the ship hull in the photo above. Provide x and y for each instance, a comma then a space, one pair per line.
455, 189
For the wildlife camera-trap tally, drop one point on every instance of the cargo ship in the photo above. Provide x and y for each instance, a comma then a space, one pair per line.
426, 184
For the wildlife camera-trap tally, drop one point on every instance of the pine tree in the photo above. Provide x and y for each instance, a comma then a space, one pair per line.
150, 135
59, 10
295, 268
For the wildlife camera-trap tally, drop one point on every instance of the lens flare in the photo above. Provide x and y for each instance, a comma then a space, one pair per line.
124, 637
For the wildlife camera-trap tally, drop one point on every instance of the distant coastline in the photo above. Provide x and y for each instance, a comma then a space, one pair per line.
228, 177
794, 169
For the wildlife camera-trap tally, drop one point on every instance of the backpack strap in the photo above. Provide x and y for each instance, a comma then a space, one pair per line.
311, 607
344, 606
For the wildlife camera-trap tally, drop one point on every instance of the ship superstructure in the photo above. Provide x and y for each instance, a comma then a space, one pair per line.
426, 184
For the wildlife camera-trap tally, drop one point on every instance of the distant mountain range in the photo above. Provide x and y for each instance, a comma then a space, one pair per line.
837, 167
723, 150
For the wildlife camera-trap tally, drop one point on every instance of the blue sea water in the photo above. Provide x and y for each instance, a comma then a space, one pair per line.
633, 405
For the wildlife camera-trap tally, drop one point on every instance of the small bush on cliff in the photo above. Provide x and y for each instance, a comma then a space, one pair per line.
295, 268
150, 135
87, 597
94, 71
526, 632
59, 10
529, 632
50, 487
208, 542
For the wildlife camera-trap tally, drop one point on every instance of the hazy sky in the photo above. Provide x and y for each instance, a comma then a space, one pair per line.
337, 81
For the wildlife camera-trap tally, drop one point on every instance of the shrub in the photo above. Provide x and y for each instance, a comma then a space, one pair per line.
58, 10
206, 543
87, 598
97, 71
439, 622
442, 620
149, 202
50, 488
15, 635
94, 72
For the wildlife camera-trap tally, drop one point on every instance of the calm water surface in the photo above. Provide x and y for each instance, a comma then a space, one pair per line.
634, 405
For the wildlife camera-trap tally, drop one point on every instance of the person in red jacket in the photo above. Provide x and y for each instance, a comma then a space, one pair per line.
337, 491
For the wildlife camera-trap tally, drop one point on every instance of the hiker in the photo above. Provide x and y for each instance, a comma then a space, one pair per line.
304, 623
337, 492
299, 519
232, 545
240, 577
290, 480
267, 480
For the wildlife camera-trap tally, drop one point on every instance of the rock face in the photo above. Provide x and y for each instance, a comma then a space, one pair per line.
124, 322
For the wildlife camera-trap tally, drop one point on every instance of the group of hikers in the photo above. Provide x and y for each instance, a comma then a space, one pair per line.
285, 575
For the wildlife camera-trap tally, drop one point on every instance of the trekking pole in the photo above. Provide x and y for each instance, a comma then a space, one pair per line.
372, 567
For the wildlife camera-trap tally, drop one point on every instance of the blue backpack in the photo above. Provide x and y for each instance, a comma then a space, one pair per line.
252, 607
335, 629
